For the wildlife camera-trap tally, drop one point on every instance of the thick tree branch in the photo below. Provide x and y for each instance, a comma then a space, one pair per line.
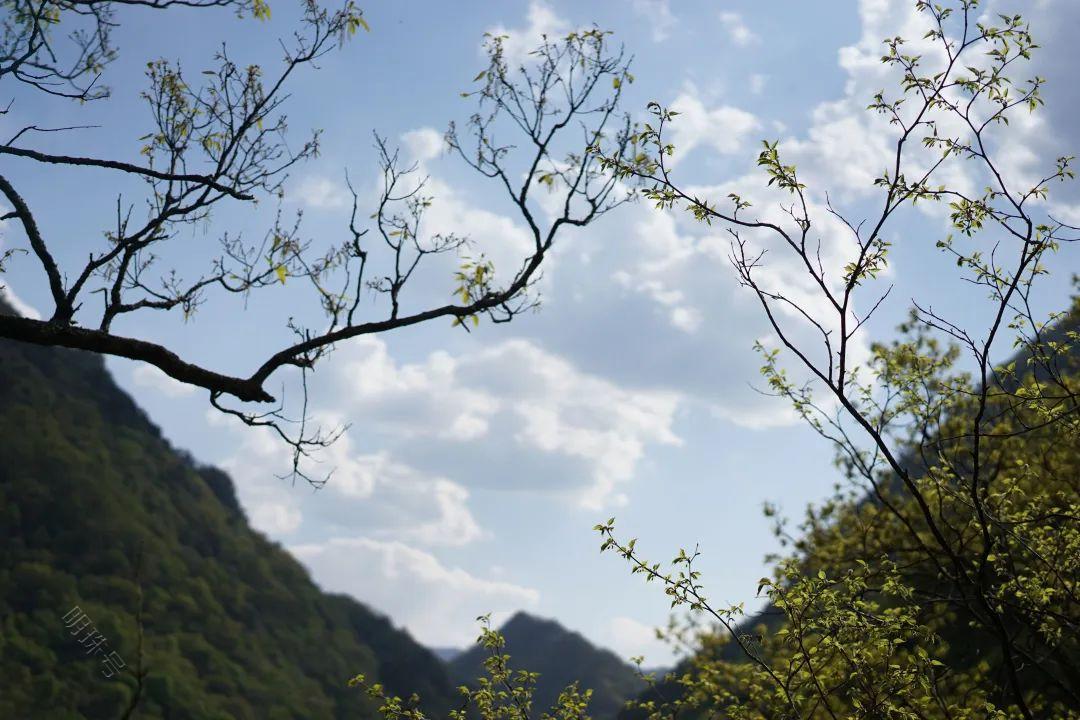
204, 180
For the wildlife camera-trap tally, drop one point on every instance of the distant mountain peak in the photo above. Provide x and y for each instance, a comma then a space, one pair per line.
521, 618
561, 656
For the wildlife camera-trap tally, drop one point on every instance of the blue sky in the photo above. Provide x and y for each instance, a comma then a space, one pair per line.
476, 464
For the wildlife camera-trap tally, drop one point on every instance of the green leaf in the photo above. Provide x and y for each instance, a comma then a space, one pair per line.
260, 10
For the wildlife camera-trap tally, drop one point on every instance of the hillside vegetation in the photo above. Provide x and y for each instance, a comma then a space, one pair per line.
98, 511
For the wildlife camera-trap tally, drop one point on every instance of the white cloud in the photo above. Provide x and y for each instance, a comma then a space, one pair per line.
503, 241
411, 505
513, 399
414, 399
424, 143
18, 304
847, 147
686, 319
737, 30
683, 316
454, 519
275, 518
724, 129
255, 464
321, 193
658, 14
436, 603
150, 378
1032, 142
542, 22
392, 499
630, 638
6, 293
668, 299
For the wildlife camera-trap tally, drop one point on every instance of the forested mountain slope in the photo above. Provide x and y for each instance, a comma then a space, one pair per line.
560, 657
97, 510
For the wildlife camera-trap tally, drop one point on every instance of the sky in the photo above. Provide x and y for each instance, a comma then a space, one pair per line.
476, 464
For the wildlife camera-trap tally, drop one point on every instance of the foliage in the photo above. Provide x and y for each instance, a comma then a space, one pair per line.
873, 622
941, 579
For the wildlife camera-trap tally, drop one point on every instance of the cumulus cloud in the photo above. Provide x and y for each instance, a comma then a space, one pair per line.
6, 293
659, 16
541, 22
503, 241
673, 302
437, 603
150, 378
658, 288
275, 518
321, 193
18, 304
662, 292
737, 30
847, 147
424, 143
400, 395
1036, 140
724, 129
503, 406
393, 500
631, 638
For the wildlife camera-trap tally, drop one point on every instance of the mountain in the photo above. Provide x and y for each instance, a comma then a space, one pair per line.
98, 512
561, 657
446, 654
